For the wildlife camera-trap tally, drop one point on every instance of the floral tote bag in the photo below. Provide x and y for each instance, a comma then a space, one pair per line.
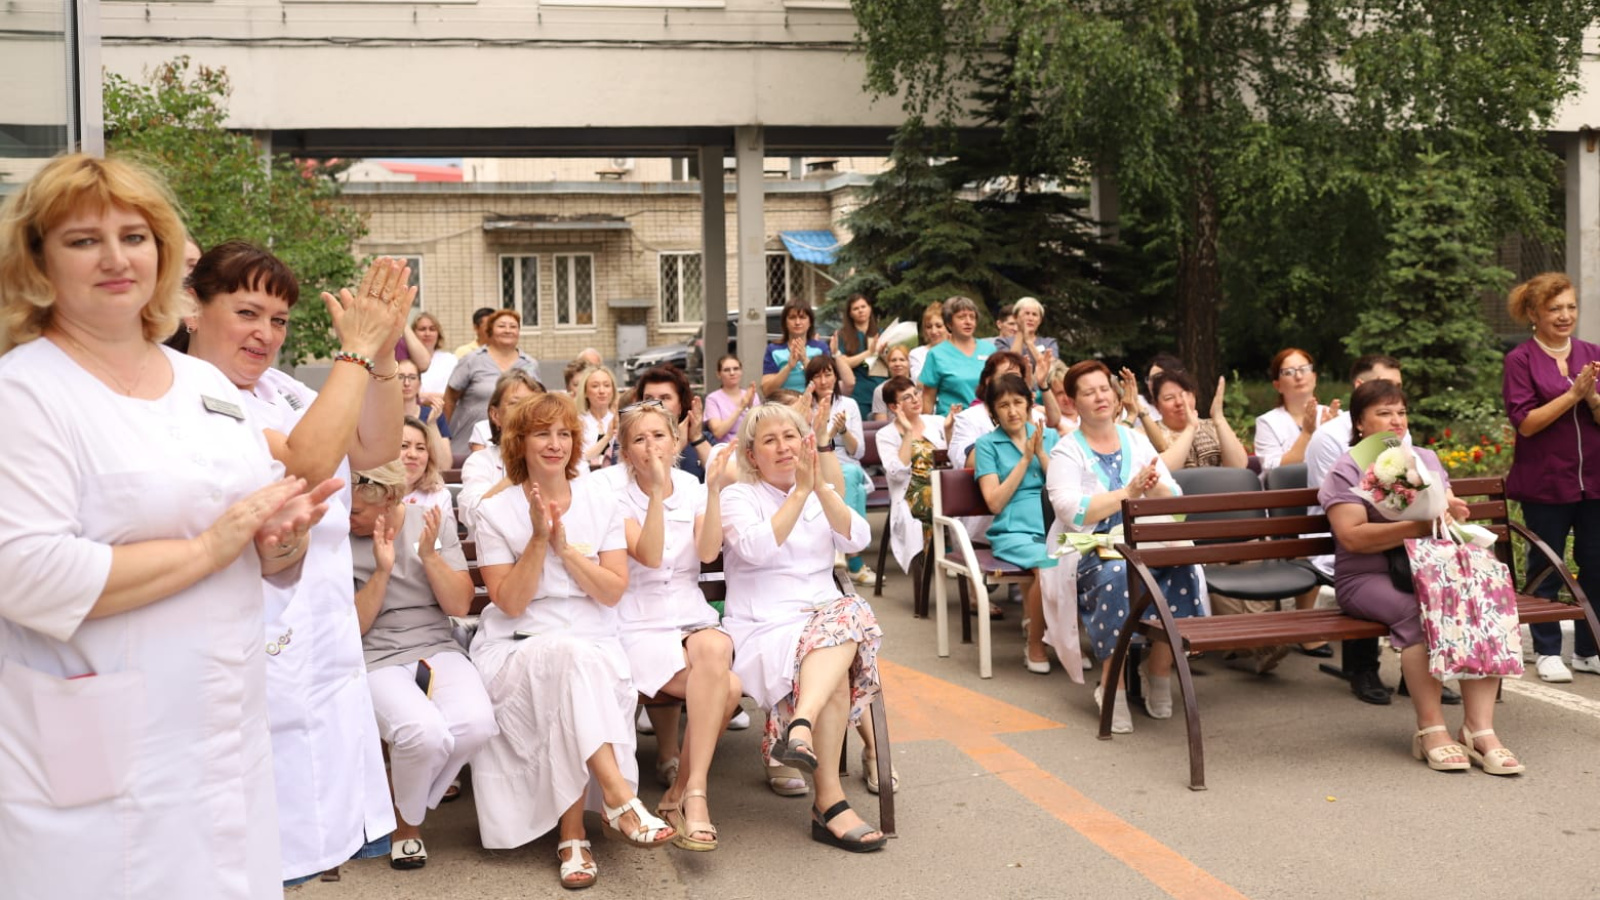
1469, 609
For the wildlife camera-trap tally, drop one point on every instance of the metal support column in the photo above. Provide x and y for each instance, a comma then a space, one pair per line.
713, 260
749, 146
1583, 229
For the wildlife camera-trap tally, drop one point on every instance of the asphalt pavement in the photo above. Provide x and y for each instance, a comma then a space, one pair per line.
1007, 793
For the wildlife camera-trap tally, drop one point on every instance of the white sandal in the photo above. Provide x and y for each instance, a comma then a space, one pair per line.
1491, 761
651, 834
577, 865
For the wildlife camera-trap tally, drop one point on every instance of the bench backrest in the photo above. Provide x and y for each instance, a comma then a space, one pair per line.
1273, 533
869, 437
958, 494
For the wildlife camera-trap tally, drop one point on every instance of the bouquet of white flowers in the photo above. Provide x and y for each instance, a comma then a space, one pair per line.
1400, 488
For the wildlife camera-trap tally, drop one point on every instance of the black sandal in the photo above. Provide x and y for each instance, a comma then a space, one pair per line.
851, 840
797, 753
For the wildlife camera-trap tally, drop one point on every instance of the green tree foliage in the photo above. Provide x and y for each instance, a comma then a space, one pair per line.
1439, 261
990, 221
1260, 145
174, 121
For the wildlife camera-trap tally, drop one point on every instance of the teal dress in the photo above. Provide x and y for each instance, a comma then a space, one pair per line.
865, 383
1017, 533
953, 374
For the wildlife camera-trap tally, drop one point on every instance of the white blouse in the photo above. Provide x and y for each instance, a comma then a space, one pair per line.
669, 594
1276, 432
768, 581
593, 525
773, 588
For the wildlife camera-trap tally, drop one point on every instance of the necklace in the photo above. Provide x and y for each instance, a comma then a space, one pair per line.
1553, 350
126, 389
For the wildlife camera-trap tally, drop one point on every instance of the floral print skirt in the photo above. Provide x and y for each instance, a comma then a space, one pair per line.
839, 621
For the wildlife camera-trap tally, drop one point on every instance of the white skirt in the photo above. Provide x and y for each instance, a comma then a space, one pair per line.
656, 654
557, 700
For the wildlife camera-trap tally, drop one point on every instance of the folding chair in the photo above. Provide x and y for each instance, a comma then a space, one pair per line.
955, 496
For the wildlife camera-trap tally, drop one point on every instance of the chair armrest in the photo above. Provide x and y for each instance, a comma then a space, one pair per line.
963, 543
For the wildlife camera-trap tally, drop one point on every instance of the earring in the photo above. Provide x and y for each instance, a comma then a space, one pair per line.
189, 329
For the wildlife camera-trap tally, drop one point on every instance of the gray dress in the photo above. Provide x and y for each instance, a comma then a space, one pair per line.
474, 378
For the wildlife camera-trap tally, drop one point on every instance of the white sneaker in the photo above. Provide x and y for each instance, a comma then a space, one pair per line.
644, 726
739, 722
1590, 664
864, 576
1553, 670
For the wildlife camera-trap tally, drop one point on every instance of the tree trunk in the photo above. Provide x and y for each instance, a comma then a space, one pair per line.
1199, 278
1199, 287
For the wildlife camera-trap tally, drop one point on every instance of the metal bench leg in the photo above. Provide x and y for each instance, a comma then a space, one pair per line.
880, 734
1191, 715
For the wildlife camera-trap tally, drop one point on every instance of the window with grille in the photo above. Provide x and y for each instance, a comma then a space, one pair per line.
786, 280
682, 289
519, 287
415, 262
574, 284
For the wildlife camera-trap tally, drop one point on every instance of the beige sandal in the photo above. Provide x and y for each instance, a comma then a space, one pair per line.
787, 781
1438, 758
686, 827
1493, 761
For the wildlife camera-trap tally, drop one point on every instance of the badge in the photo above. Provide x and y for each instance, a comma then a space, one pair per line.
223, 407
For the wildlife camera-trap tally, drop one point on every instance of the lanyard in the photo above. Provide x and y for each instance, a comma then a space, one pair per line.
1100, 477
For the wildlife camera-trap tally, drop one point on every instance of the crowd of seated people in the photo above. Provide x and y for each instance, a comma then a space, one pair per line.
311, 537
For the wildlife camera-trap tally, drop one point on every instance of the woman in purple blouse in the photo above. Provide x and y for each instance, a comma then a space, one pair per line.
1550, 398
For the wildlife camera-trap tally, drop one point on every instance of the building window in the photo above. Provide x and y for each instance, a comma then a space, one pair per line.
682, 289
415, 262
519, 287
786, 280
574, 289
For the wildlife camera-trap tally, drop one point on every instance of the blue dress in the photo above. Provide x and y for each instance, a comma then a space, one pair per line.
1103, 583
953, 374
1017, 532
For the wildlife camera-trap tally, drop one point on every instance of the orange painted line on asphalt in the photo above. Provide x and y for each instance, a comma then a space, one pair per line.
922, 707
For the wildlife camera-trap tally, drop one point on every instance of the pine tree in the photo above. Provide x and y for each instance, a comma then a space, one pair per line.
1428, 318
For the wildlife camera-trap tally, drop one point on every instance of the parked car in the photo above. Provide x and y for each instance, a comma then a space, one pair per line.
689, 355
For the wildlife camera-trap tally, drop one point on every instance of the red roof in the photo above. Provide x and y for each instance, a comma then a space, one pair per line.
422, 172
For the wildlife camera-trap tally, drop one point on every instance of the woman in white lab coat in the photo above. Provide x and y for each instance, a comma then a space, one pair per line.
333, 797
907, 424
674, 643
554, 553
134, 755
804, 652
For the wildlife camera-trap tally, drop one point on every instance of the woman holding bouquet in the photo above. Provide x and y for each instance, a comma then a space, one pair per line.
1365, 590
1551, 400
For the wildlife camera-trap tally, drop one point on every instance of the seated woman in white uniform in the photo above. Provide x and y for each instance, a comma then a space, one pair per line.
804, 652
142, 511
554, 554
675, 646
483, 469
424, 482
430, 703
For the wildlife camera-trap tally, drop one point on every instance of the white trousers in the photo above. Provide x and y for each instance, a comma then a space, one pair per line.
429, 739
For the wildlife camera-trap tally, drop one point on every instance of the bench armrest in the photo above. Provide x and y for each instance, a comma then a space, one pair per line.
1556, 565
1152, 591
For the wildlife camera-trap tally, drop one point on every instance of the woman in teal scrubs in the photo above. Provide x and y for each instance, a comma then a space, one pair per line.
950, 374
1010, 464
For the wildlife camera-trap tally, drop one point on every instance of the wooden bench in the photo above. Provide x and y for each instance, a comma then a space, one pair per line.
1277, 537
